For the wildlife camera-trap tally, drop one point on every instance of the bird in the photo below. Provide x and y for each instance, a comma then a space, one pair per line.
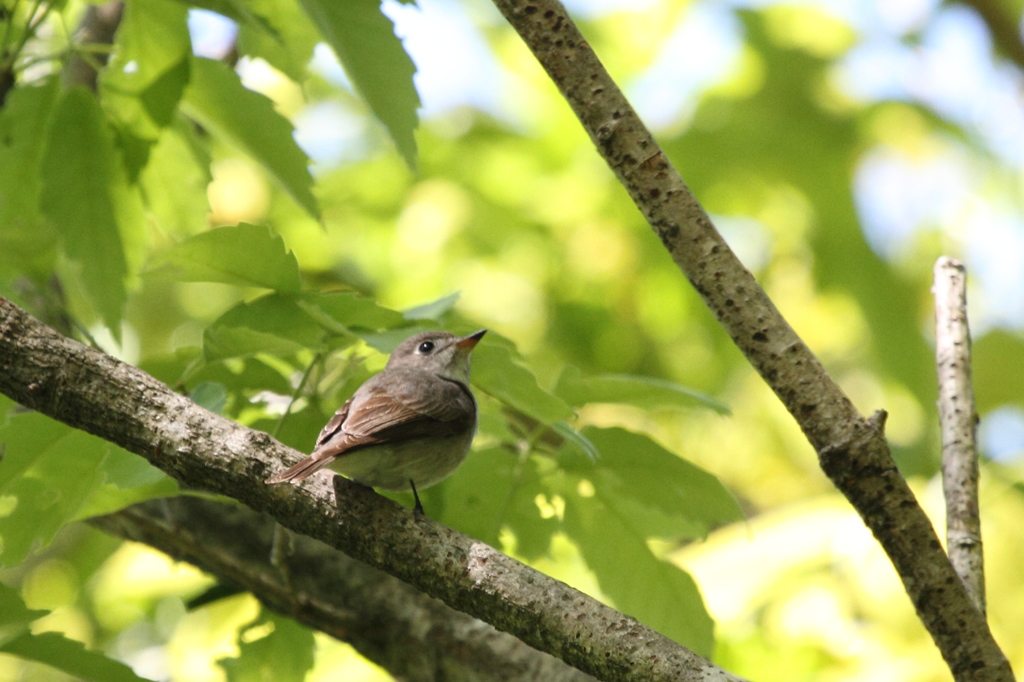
406, 428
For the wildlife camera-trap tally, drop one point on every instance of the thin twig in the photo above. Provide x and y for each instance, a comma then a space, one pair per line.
959, 422
297, 393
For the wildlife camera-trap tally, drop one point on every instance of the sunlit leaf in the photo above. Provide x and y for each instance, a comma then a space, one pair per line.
278, 32
247, 255
364, 41
646, 392
341, 311
58, 474
657, 593
143, 84
217, 99
285, 654
174, 182
23, 123
62, 478
86, 197
499, 374
282, 324
492, 490
272, 324
664, 494
69, 656
13, 610
434, 310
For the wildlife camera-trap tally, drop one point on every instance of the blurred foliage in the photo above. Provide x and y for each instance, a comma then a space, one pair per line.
172, 219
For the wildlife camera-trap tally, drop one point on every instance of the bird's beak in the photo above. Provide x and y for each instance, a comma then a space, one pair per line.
471, 340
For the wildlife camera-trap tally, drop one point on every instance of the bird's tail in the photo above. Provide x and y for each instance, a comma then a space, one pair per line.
301, 471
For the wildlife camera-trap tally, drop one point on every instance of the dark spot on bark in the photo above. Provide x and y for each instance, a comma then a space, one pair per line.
760, 337
616, 115
628, 158
558, 22
654, 193
597, 91
714, 249
729, 303
559, 42
808, 408
550, 13
530, 9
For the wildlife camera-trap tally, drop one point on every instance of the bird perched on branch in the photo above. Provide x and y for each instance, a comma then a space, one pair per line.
406, 428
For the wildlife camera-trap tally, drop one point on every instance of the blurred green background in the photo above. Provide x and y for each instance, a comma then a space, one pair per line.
840, 148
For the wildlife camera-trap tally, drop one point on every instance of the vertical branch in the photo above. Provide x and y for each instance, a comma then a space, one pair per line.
852, 451
959, 421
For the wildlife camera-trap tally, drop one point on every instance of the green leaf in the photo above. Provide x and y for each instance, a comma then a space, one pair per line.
278, 32
434, 310
247, 255
143, 84
272, 324
492, 490
174, 182
69, 656
58, 474
54, 488
282, 324
998, 369
645, 392
211, 395
577, 440
13, 610
364, 41
216, 98
152, 38
657, 593
341, 311
283, 655
665, 495
23, 124
497, 372
85, 195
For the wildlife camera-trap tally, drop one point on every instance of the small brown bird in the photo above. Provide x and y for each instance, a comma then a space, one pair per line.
406, 428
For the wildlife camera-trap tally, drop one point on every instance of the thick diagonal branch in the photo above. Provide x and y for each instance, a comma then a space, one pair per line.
95, 392
959, 420
852, 452
410, 634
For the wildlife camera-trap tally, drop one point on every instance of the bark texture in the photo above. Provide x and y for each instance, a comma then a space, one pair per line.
852, 452
413, 636
92, 391
959, 421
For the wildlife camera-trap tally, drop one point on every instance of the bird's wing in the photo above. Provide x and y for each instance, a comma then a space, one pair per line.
409, 405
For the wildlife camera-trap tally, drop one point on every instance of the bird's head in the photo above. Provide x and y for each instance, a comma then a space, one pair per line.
441, 353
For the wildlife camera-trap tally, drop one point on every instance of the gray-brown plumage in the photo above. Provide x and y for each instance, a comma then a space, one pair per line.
406, 428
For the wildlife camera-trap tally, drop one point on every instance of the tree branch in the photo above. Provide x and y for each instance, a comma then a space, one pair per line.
959, 420
95, 392
415, 637
851, 451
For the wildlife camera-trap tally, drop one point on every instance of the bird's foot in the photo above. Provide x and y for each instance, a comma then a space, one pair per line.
418, 509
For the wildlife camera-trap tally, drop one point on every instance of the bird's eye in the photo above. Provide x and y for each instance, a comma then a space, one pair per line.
426, 347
